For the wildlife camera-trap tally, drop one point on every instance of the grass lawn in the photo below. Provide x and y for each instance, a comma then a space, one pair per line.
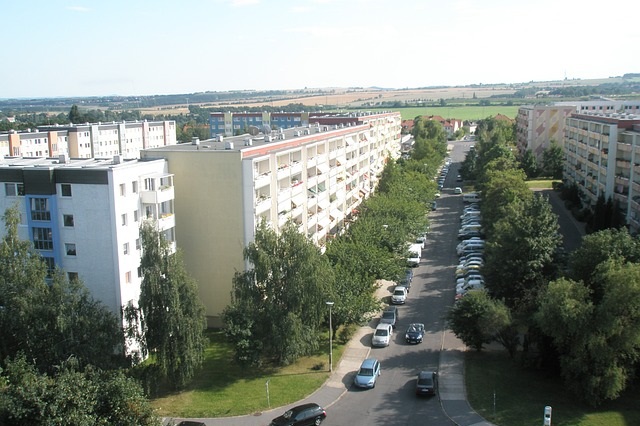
521, 395
541, 183
469, 112
224, 388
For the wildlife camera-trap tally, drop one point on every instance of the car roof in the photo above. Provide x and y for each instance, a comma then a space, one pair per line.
369, 363
425, 373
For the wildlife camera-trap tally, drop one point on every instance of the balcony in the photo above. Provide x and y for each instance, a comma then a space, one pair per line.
162, 194
166, 221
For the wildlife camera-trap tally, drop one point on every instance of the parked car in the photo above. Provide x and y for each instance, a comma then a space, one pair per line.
427, 383
434, 205
382, 335
368, 373
415, 333
405, 281
191, 423
389, 316
302, 415
399, 295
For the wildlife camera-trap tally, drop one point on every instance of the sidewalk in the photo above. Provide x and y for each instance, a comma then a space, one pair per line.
452, 392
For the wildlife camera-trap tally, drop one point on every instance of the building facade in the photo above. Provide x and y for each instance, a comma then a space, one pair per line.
314, 176
602, 157
83, 216
96, 140
538, 125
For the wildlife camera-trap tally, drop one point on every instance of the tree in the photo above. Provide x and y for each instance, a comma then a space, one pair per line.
529, 164
609, 244
278, 305
520, 254
553, 160
170, 312
50, 323
598, 341
70, 395
477, 319
75, 116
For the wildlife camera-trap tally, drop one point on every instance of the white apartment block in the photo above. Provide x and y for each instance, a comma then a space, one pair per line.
84, 216
537, 125
314, 176
602, 157
91, 140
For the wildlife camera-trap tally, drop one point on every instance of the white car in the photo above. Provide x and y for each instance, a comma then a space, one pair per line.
457, 190
382, 335
399, 295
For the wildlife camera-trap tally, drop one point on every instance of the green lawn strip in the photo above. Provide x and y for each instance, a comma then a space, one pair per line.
521, 395
468, 112
541, 183
223, 388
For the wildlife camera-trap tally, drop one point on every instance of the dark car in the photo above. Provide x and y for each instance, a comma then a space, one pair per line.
389, 316
191, 423
302, 415
405, 281
414, 333
427, 383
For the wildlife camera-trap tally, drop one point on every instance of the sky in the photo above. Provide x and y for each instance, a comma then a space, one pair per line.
68, 48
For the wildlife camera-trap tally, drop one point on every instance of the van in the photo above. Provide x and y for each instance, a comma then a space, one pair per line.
415, 254
471, 197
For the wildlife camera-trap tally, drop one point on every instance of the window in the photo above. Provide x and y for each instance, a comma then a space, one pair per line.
51, 265
14, 189
127, 277
67, 219
138, 244
40, 209
135, 215
65, 189
70, 249
123, 189
42, 239
124, 219
73, 276
139, 272
134, 186
125, 248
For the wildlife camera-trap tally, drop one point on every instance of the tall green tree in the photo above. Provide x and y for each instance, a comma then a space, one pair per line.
598, 341
279, 305
520, 255
553, 160
48, 323
477, 319
609, 244
171, 314
529, 164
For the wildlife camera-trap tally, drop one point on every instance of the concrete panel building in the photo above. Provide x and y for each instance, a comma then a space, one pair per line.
602, 157
84, 216
314, 176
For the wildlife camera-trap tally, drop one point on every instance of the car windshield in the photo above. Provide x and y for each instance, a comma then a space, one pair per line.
288, 414
381, 332
398, 293
388, 315
366, 372
414, 329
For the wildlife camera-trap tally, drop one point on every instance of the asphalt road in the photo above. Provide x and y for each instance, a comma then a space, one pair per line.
393, 401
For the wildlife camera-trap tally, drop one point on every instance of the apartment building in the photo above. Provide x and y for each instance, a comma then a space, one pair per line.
84, 216
235, 123
538, 125
91, 140
602, 157
314, 176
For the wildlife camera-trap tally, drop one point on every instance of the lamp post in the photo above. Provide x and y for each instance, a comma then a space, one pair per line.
330, 304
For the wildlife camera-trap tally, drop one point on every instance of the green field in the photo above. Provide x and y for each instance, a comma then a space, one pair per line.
471, 113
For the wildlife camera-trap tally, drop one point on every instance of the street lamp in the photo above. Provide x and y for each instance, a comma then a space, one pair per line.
330, 304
